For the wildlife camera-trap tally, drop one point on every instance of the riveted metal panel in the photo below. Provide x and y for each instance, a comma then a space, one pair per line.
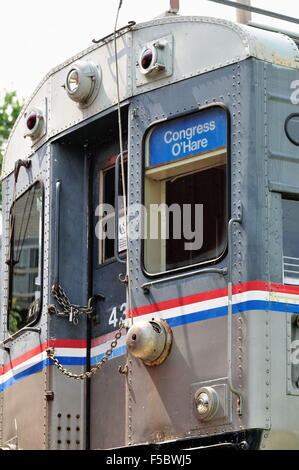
104, 57
190, 33
19, 407
19, 147
205, 358
67, 413
158, 402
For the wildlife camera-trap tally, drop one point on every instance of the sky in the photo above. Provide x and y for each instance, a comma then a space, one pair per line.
36, 36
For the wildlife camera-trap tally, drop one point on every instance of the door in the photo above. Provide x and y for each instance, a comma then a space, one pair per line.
107, 386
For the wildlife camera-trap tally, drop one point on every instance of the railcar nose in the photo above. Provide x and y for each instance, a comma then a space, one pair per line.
150, 341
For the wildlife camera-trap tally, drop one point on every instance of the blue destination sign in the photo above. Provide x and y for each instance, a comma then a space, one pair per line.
188, 136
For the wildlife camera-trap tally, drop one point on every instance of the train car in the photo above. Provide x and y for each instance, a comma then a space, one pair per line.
150, 280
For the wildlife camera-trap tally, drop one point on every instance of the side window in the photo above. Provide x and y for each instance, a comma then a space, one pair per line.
106, 230
290, 226
26, 259
185, 191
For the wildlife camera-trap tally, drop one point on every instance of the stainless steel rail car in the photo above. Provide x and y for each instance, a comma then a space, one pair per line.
195, 116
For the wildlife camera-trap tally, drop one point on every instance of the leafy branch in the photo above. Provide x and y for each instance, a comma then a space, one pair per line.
10, 107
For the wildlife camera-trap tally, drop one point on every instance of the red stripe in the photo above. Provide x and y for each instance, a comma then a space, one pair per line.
284, 289
58, 343
23, 358
67, 343
240, 288
104, 339
70, 343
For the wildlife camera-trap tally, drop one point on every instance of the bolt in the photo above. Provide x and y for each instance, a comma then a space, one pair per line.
244, 445
49, 395
51, 310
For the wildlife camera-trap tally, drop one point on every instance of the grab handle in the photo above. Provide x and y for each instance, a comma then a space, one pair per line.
116, 221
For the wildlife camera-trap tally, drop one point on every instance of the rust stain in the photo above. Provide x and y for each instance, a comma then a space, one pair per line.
265, 53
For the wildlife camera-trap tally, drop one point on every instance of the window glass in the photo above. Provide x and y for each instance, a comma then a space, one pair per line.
26, 259
107, 213
292, 128
290, 224
185, 191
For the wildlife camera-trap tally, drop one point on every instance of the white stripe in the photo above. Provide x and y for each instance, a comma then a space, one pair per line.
173, 312
284, 297
24, 365
70, 352
34, 360
102, 348
203, 305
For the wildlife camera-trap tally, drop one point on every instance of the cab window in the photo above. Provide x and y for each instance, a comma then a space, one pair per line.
26, 259
290, 225
185, 191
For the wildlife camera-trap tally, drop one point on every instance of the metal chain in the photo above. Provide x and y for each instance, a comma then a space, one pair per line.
96, 368
71, 310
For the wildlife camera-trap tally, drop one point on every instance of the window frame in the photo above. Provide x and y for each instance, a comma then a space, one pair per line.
228, 188
10, 276
288, 119
106, 165
293, 198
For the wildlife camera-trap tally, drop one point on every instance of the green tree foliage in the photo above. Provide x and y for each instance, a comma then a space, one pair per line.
10, 107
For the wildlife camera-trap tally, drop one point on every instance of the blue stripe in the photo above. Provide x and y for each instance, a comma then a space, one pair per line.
248, 305
25, 373
116, 352
71, 361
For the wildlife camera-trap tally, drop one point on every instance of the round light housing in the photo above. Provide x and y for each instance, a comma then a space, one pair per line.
150, 341
83, 82
34, 122
151, 59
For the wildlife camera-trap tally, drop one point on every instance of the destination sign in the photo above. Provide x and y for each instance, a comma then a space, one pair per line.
188, 136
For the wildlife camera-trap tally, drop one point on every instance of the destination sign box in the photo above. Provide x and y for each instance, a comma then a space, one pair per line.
188, 136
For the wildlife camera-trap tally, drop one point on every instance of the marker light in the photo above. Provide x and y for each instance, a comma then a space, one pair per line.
31, 121
151, 60
83, 82
146, 59
34, 122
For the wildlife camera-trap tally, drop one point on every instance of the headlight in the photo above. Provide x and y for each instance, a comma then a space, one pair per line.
83, 82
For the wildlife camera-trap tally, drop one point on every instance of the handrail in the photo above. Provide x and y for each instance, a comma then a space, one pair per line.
259, 11
57, 225
230, 312
116, 221
147, 285
19, 333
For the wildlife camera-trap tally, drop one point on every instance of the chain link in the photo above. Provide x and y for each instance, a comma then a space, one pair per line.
94, 370
70, 310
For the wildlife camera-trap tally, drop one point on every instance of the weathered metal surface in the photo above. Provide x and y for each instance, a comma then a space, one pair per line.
240, 41
155, 404
150, 341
